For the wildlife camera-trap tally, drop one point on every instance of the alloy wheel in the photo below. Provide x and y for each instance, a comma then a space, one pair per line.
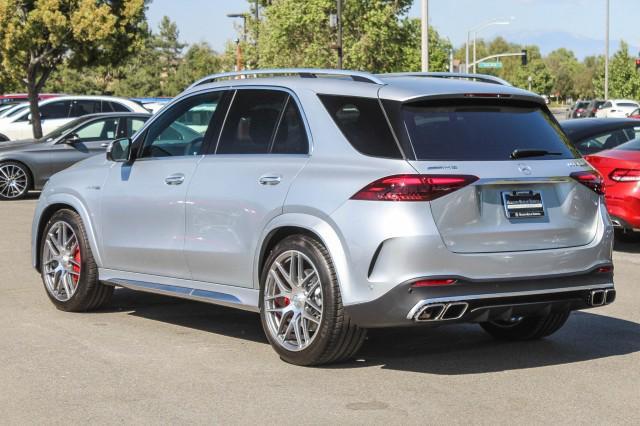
13, 181
293, 300
61, 260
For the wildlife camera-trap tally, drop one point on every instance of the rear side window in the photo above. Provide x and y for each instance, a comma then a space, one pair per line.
113, 106
482, 132
84, 107
252, 121
633, 145
363, 123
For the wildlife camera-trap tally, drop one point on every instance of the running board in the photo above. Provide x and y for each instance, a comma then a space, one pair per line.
200, 295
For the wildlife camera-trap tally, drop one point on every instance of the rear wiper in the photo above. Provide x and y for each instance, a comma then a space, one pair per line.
522, 153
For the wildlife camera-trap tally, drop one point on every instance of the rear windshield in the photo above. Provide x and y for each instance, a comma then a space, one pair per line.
483, 132
633, 145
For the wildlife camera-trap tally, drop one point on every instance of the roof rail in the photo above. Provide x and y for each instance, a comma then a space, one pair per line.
484, 78
364, 77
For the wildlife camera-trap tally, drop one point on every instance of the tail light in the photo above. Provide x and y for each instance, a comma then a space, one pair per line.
413, 187
625, 175
591, 180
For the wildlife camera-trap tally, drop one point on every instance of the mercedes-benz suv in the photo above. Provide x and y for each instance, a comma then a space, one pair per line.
332, 202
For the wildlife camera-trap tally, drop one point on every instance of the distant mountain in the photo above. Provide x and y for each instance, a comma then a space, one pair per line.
552, 40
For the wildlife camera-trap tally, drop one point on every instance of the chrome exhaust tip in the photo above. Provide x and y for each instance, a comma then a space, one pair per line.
609, 296
454, 310
430, 312
597, 298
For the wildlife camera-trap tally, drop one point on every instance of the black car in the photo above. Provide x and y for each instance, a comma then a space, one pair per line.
593, 107
593, 135
578, 110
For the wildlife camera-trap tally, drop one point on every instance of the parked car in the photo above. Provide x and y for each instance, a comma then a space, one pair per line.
332, 205
22, 97
152, 104
617, 108
60, 111
13, 109
635, 114
593, 135
578, 110
593, 107
28, 164
620, 168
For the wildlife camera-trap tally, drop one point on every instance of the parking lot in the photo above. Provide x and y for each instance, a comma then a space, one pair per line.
151, 359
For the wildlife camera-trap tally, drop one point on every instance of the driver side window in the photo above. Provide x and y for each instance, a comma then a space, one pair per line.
181, 129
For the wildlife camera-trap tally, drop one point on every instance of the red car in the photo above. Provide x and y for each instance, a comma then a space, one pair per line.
620, 168
635, 114
23, 97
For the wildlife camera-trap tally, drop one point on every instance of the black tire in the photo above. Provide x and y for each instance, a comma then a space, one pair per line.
28, 180
528, 328
90, 293
338, 338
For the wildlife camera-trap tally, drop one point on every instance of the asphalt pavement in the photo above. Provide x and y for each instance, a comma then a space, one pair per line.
149, 359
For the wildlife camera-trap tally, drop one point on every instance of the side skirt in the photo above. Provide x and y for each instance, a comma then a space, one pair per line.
217, 294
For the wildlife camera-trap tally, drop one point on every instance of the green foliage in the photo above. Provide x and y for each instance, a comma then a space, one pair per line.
624, 80
36, 36
377, 36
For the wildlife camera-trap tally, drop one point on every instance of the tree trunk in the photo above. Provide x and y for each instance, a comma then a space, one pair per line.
36, 123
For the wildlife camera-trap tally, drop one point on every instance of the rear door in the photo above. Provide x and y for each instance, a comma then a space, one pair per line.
524, 198
241, 184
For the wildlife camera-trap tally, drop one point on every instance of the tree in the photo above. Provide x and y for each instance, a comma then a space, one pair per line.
36, 36
624, 80
199, 61
168, 48
378, 36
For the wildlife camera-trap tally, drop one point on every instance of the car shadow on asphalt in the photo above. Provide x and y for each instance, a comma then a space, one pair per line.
447, 350
627, 246
467, 349
196, 315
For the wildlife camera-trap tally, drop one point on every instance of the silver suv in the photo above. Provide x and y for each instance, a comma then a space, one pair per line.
332, 202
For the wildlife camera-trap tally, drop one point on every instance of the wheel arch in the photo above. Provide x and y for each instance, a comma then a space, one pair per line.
305, 224
59, 202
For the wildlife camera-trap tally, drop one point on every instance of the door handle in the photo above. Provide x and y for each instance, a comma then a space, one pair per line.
269, 180
105, 145
175, 179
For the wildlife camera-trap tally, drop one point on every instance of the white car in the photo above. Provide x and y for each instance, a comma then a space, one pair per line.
56, 112
619, 108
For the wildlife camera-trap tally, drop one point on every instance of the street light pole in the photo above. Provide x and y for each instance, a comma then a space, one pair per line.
425, 35
479, 28
606, 55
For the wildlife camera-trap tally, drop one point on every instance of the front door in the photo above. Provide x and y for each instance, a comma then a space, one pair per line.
143, 204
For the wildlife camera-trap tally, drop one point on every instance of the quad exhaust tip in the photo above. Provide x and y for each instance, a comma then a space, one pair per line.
602, 297
441, 311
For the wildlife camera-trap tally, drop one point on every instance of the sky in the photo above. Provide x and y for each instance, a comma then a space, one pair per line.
575, 24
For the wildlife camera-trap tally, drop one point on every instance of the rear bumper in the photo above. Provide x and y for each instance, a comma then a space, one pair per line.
479, 301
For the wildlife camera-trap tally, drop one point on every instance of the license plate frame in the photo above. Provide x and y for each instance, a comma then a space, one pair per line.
523, 205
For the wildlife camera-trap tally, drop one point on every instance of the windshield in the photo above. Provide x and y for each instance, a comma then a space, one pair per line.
14, 110
632, 145
483, 131
62, 130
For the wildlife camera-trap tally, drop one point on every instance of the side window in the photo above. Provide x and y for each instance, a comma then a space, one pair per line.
84, 107
114, 106
177, 132
291, 136
130, 126
98, 130
605, 141
252, 121
55, 110
363, 123
606, 105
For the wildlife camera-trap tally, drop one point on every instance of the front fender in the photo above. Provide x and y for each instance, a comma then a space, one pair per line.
50, 200
328, 235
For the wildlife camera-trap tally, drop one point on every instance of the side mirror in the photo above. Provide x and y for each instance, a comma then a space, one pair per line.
71, 138
119, 151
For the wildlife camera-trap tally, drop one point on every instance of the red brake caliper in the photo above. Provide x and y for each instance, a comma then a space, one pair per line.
76, 268
281, 302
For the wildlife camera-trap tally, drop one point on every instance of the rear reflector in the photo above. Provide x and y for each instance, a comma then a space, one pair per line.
625, 175
413, 187
591, 180
605, 269
433, 283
